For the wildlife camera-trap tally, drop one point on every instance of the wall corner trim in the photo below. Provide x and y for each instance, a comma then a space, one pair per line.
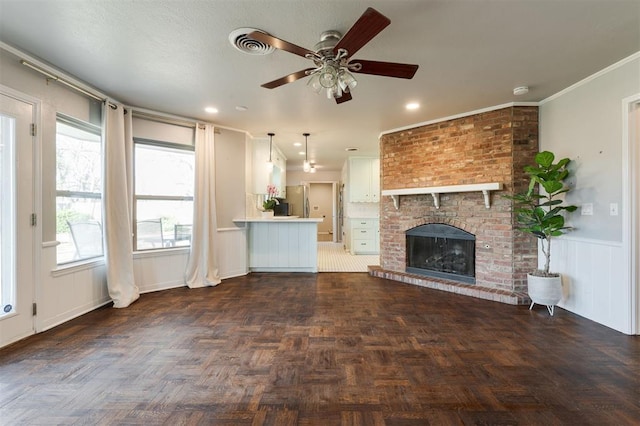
455, 116
592, 77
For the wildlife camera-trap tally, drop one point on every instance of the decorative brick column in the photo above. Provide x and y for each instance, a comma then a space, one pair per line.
488, 147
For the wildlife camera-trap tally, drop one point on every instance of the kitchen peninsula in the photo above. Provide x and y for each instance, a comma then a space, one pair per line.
282, 243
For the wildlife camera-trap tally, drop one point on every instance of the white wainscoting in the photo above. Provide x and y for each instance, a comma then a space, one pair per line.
232, 252
67, 293
160, 269
595, 285
283, 246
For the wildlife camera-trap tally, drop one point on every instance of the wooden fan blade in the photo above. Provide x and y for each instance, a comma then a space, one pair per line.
366, 27
346, 96
280, 44
287, 79
386, 69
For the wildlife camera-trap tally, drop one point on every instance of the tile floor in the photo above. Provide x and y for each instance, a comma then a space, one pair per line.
333, 258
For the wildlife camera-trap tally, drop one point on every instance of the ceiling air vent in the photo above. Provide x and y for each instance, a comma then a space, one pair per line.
241, 41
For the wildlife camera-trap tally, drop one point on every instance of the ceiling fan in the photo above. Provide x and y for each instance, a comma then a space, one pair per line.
333, 58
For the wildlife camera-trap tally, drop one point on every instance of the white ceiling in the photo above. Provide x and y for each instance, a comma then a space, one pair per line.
175, 57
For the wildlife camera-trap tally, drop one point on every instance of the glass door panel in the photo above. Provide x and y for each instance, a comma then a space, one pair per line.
17, 275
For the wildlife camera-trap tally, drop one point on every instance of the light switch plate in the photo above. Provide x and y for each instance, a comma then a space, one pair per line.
587, 209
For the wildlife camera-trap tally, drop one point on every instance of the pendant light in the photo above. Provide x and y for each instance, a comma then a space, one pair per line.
306, 166
270, 163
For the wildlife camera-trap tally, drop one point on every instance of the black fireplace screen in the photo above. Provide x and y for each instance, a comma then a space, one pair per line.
441, 251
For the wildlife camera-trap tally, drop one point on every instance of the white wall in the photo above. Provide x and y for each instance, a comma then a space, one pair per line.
230, 151
585, 123
158, 131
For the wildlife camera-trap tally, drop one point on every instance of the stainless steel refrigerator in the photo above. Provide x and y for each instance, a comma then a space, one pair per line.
298, 199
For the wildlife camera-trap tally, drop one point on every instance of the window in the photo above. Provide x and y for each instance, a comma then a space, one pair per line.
78, 190
164, 182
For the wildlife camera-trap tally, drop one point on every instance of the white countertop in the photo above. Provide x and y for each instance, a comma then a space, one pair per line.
280, 219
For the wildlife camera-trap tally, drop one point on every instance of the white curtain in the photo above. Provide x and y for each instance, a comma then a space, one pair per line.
117, 204
202, 267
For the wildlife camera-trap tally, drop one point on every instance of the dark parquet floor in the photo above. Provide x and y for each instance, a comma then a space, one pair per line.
321, 349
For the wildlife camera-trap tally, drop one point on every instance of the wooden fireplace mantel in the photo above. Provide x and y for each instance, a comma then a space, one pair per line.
435, 192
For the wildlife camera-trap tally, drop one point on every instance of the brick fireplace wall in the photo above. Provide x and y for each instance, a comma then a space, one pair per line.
488, 147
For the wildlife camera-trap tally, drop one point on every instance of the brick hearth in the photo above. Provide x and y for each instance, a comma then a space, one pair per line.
493, 294
487, 147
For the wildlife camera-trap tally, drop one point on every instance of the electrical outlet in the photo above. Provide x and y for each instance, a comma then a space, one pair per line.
587, 209
613, 209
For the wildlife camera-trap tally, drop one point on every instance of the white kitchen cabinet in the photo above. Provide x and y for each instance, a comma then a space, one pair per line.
364, 234
364, 180
262, 174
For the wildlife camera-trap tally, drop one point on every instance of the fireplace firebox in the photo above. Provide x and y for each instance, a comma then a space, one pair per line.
441, 251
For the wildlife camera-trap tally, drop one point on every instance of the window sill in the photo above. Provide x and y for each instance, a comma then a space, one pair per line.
160, 252
82, 265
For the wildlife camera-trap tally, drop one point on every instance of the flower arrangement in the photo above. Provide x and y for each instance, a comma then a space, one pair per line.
271, 201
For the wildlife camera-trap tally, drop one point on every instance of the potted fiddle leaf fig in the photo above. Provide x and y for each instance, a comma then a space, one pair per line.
542, 214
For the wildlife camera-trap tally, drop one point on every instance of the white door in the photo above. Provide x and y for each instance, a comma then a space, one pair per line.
17, 285
634, 178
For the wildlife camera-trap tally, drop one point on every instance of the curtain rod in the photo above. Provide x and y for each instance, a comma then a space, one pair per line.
136, 111
54, 77
160, 119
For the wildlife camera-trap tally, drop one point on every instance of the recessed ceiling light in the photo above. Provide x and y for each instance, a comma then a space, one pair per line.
297, 144
241, 108
302, 153
211, 110
412, 105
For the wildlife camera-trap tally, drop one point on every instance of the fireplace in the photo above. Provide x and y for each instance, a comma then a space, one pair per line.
441, 251
484, 147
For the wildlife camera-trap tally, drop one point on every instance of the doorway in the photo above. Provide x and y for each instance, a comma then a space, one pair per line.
323, 204
17, 271
631, 198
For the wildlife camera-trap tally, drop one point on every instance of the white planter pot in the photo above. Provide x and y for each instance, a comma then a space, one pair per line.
267, 213
544, 291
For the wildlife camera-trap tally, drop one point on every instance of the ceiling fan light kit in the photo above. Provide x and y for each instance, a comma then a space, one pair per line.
332, 58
